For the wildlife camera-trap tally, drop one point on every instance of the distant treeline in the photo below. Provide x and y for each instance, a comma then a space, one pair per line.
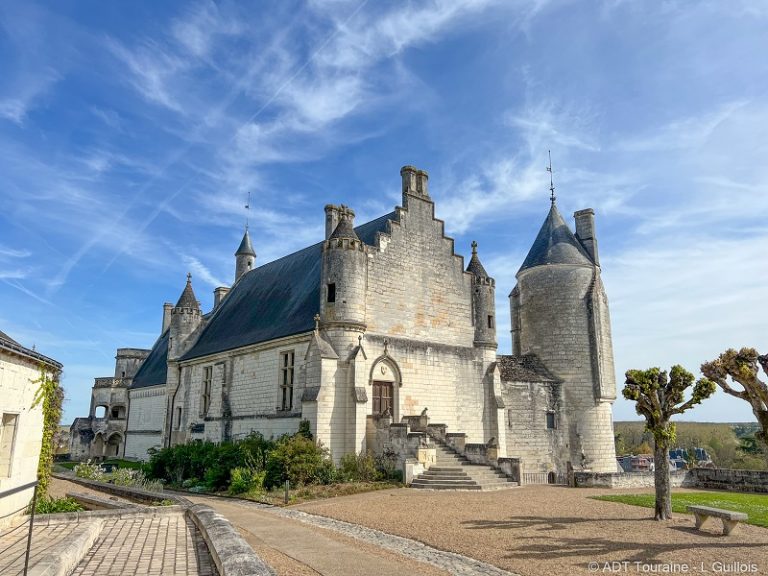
730, 445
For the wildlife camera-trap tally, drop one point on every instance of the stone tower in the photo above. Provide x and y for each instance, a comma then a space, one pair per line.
185, 319
245, 257
560, 313
483, 302
342, 306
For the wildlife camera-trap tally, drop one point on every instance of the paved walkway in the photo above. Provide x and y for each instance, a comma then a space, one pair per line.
167, 544
309, 544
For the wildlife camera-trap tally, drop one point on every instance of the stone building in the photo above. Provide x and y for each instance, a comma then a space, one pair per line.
102, 433
21, 425
378, 323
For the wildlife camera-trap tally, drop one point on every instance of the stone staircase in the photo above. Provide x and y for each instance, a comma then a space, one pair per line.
452, 471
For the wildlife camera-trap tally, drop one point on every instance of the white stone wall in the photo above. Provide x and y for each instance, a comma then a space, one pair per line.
246, 380
417, 287
555, 324
17, 392
146, 421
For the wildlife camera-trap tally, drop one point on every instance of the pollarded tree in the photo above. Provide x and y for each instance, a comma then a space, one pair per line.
742, 367
658, 398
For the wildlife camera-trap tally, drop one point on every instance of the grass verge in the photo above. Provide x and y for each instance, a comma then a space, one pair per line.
755, 506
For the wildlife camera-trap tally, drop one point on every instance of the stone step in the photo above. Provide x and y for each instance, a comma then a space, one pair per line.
440, 486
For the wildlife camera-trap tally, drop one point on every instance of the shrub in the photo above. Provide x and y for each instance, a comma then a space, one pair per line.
246, 480
298, 460
90, 471
48, 505
359, 468
135, 478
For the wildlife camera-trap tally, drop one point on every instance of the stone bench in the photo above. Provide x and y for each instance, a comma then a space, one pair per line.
730, 519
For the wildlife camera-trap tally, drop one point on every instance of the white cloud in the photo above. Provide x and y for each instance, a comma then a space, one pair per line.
199, 270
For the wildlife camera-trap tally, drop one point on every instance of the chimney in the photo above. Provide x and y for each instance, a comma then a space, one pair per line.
414, 181
585, 232
218, 295
347, 213
167, 307
331, 219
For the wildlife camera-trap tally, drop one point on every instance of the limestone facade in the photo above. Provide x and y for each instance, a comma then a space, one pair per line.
21, 424
385, 320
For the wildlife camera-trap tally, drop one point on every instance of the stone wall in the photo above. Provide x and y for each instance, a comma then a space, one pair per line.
539, 449
22, 433
244, 395
731, 480
146, 421
555, 324
677, 479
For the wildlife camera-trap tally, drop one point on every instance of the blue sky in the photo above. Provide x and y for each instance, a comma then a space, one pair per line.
131, 133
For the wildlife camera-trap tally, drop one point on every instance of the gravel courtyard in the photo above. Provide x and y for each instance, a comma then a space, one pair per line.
543, 530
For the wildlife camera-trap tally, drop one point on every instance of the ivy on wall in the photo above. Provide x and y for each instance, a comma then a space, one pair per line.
51, 395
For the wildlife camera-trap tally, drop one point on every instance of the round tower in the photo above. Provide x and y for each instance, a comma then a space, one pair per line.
483, 302
185, 318
245, 257
559, 312
345, 270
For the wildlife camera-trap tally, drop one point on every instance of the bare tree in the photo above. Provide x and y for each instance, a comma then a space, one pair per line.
658, 398
742, 367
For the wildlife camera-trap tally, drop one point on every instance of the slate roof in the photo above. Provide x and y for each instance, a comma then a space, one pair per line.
9, 344
154, 370
188, 298
526, 368
275, 300
246, 248
476, 267
555, 244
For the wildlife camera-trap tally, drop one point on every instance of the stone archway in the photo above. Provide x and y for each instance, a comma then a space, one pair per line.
114, 445
384, 387
97, 446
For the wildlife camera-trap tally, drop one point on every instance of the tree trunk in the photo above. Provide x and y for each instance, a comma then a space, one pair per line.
661, 480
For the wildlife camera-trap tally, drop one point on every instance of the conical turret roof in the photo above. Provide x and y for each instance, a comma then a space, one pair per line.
475, 266
188, 298
555, 244
345, 229
246, 248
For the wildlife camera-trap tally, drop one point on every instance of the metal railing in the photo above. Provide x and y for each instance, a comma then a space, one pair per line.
16, 490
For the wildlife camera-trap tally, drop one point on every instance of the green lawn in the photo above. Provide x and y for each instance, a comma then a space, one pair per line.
754, 505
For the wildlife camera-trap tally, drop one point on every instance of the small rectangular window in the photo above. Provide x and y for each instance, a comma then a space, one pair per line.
207, 382
550, 420
7, 441
490, 321
332, 292
286, 380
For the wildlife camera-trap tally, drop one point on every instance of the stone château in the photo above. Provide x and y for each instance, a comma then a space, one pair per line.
379, 323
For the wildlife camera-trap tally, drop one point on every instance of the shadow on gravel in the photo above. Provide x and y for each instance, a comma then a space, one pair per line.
597, 547
546, 522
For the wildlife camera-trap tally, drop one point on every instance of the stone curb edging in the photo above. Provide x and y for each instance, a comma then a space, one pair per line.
61, 559
231, 554
451, 562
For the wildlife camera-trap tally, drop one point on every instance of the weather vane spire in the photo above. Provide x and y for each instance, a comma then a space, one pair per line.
247, 210
552, 196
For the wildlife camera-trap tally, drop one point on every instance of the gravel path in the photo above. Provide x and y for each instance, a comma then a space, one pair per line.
543, 530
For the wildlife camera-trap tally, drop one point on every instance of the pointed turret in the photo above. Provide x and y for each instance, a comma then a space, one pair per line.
483, 302
245, 257
185, 318
187, 298
556, 244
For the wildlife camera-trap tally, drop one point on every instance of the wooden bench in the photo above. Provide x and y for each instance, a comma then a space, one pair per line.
730, 519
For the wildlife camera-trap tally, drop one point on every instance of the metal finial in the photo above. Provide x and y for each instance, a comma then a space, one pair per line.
474, 247
317, 322
552, 196
189, 277
247, 210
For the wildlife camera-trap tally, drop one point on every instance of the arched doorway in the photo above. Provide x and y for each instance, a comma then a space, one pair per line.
114, 443
385, 382
97, 446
